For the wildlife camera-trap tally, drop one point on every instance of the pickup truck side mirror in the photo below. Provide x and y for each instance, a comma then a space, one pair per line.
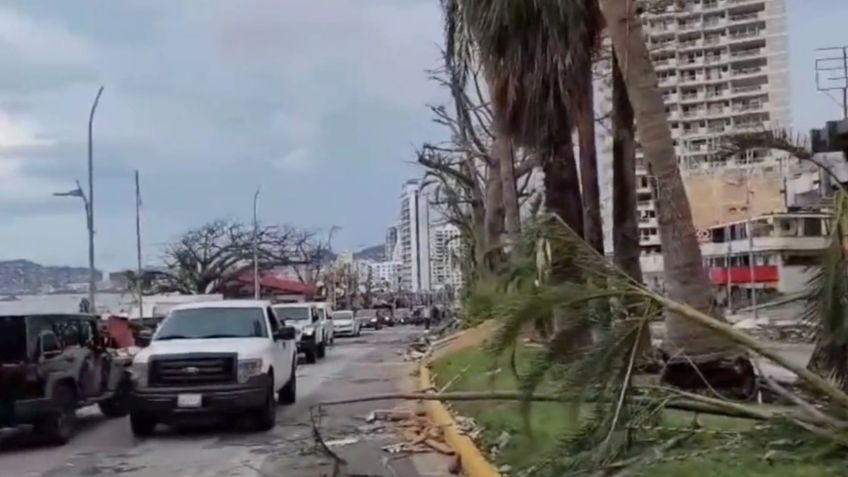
48, 345
285, 333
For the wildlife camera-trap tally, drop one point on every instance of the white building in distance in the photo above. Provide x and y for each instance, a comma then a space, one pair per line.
445, 256
414, 238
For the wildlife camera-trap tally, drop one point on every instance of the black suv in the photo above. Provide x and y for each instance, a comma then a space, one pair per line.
53, 364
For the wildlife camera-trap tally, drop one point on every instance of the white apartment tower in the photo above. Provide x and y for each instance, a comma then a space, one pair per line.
723, 68
414, 238
445, 255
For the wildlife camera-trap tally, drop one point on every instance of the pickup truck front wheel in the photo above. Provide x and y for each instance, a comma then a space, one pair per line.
288, 395
142, 425
58, 427
266, 417
322, 350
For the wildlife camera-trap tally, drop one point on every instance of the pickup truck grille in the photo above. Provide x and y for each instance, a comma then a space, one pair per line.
192, 370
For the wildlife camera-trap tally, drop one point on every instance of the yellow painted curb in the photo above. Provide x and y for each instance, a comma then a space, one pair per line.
474, 464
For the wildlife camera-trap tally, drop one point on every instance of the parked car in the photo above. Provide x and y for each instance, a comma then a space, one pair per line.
345, 323
215, 358
324, 317
369, 318
311, 336
51, 365
403, 316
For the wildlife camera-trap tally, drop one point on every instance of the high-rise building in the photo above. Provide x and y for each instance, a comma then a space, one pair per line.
723, 68
391, 242
414, 237
385, 275
445, 255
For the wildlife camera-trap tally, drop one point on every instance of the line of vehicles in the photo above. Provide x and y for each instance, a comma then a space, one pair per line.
220, 358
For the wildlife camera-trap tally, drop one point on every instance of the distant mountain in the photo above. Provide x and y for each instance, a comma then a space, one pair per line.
376, 253
25, 276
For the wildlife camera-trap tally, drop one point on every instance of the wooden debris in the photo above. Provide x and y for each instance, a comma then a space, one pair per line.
439, 446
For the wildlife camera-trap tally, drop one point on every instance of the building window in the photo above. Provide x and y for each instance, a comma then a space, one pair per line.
812, 227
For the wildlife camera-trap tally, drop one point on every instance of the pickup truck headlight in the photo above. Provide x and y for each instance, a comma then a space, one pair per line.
139, 373
308, 330
248, 368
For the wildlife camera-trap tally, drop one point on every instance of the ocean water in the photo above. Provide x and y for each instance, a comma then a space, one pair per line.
66, 303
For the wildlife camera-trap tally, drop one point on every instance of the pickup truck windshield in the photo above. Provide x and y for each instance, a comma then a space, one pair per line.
209, 323
292, 314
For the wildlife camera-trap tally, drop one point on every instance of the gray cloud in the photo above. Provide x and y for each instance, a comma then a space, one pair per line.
319, 100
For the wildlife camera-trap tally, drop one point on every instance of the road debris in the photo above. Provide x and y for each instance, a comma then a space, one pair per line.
342, 442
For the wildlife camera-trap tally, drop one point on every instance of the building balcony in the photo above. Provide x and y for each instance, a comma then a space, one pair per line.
764, 244
743, 18
691, 79
648, 222
746, 53
746, 89
651, 263
649, 240
742, 72
735, 275
742, 108
715, 94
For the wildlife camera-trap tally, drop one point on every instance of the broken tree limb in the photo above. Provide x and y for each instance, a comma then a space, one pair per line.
682, 404
748, 342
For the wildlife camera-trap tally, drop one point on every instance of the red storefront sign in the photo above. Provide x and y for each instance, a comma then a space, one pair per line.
738, 275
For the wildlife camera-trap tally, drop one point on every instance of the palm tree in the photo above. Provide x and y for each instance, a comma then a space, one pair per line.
686, 278
625, 229
528, 66
592, 223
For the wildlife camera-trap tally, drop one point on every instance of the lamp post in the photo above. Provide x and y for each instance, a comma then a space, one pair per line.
88, 201
78, 192
255, 246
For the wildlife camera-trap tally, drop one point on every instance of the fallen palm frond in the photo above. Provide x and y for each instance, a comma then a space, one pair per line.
598, 374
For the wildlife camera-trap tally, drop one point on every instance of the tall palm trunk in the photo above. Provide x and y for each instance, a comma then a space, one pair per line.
494, 220
502, 152
686, 279
592, 223
562, 197
625, 227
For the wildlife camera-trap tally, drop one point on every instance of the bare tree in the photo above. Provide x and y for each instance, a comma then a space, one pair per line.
205, 259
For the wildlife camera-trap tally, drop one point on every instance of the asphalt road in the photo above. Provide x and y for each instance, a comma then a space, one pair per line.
354, 366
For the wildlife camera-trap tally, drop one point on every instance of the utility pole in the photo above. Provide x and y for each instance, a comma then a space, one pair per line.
139, 273
750, 232
832, 73
92, 273
256, 293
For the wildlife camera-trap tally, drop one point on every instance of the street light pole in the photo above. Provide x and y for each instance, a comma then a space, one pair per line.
140, 273
255, 247
92, 273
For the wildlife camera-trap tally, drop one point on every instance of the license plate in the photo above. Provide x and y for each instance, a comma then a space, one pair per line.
189, 400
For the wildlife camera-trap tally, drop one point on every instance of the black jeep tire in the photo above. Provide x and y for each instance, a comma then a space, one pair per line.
266, 416
142, 425
322, 350
58, 427
288, 395
119, 404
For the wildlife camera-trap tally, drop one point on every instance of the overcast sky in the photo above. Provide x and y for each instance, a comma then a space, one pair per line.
319, 102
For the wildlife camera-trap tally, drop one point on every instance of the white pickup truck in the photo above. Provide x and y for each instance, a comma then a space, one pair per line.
223, 357
312, 336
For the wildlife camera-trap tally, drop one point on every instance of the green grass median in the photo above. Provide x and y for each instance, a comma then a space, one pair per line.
473, 370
